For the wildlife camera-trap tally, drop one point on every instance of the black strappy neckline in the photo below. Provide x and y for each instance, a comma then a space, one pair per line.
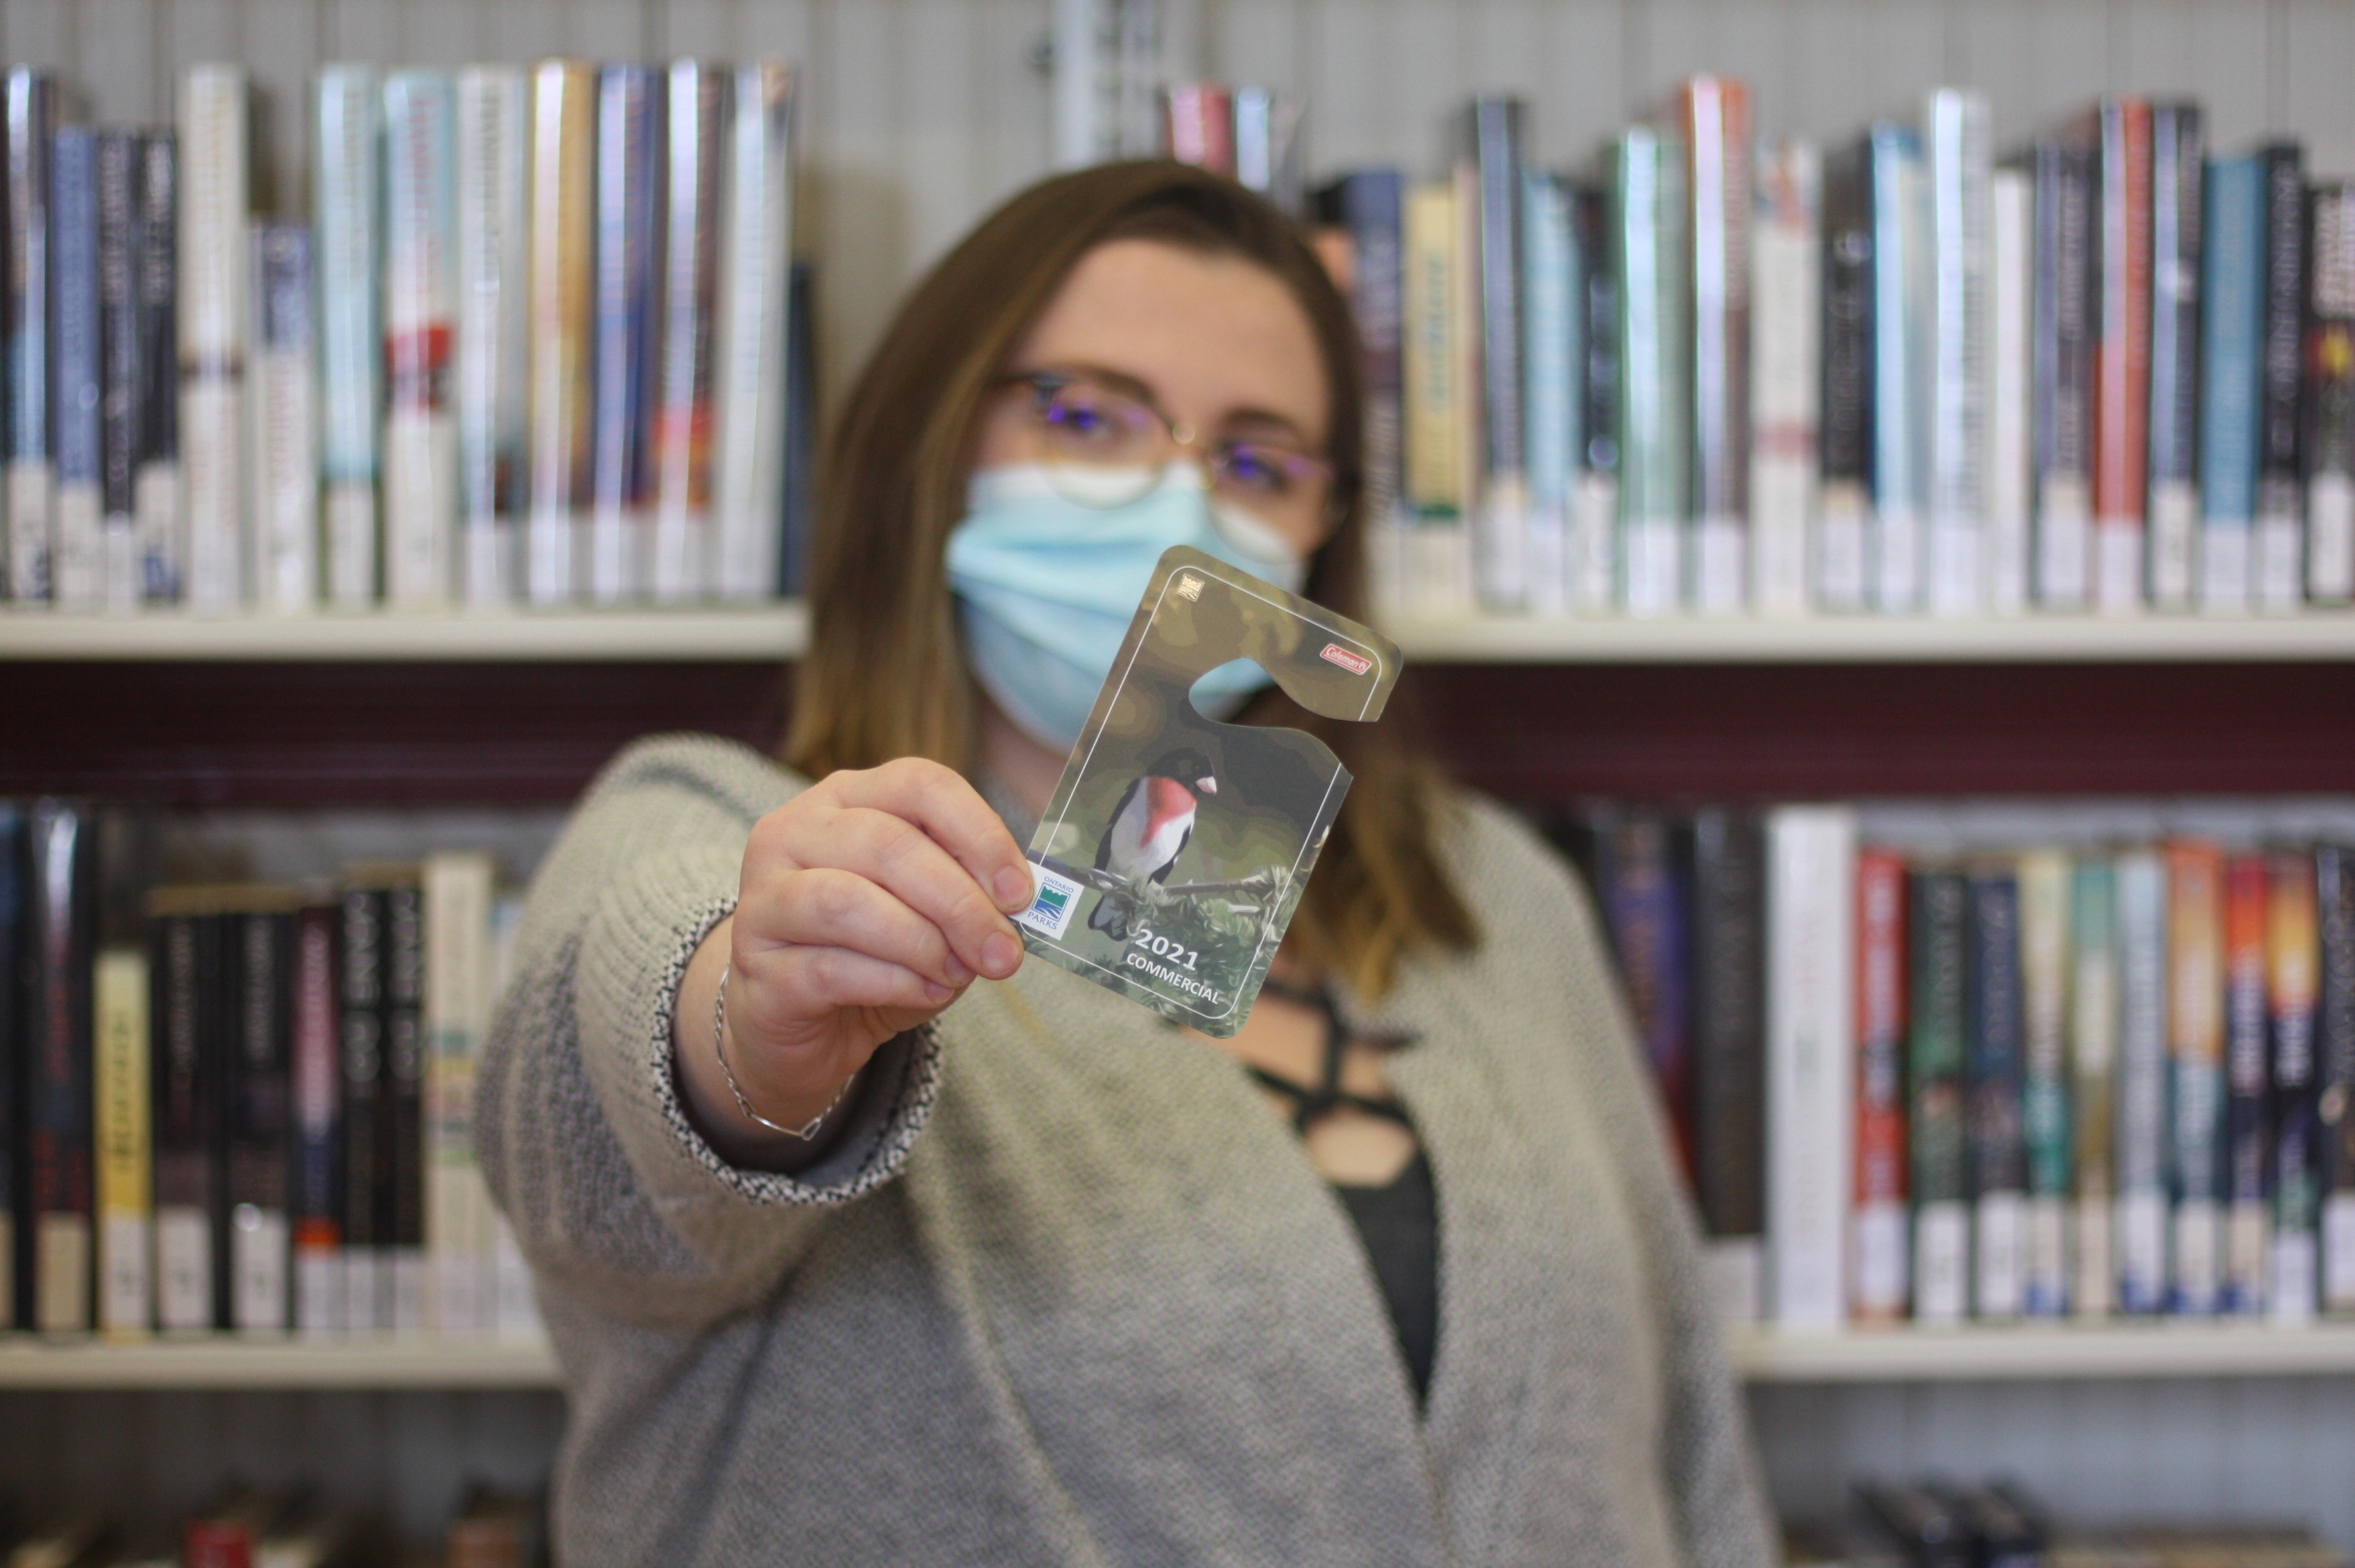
1310, 1103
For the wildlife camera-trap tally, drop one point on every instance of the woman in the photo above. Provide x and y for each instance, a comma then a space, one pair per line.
849, 1258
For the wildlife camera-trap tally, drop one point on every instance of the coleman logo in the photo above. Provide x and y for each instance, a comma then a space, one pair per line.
1356, 663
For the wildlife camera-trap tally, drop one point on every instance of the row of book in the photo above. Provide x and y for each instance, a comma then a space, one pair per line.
2083, 1079
257, 1527
537, 343
243, 1108
1932, 1523
2108, 372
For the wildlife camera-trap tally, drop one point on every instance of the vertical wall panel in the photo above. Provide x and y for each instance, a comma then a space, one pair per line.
39, 32
115, 59
2225, 44
2318, 54
704, 29
368, 30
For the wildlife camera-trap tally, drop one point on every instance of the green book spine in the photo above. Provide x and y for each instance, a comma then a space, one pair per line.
1940, 900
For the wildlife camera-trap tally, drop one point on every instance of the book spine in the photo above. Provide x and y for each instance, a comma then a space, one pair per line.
2011, 311
2062, 344
1550, 403
31, 114
185, 1122
125, 1191
2044, 889
1643, 908
1436, 557
2177, 165
1500, 521
1715, 123
1879, 1247
1594, 498
1725, 873
1845, 503
361, 917
629, 143
457, 1017
1958, 159
213, 110
801, 429
347, 206
2121, 349
259, 1126
2330, 396
76, 554
1198, 126
2094, 1021
2281, 510
1785, 328
1998, 1150
420, 289
162, 548
60, 919
315, 1211
284, 461
487, 400
1369, 206
120, 214
2232, 327
400, 1218
1901, 380
695, 102
1937, 1113
16, 1232
559, 304
1810, 1045
2248, 1217
1655, 405
2195, 1046
2334, 1014
748, 456
2141, 1133
2293, 944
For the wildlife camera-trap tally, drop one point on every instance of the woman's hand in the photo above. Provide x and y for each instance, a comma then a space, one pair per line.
866, 905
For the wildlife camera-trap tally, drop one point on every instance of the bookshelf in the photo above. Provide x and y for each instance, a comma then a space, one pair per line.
620, 636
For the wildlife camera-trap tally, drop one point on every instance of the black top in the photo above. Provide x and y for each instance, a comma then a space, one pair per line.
1398, 1224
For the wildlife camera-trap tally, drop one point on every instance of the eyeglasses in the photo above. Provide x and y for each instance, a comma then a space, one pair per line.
1104, 447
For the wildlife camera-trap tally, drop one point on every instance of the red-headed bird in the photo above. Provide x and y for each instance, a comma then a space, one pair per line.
1148, 827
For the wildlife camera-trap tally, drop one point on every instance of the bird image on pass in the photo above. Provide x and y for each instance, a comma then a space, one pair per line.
1148, 827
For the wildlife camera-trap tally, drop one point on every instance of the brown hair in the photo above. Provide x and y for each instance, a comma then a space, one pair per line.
885, 676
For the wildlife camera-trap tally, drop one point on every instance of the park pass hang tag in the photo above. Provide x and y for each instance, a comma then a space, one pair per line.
1175, 849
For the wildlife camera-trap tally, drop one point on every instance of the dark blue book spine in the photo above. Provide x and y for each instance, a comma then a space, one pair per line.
2177, 163
801, 430
15, 1226
2334, 1012
1724, 871
29, 113
159, 479
1369, 205
75, 365
122, 370
629, 120
1644, 909
1994, 1079
2061, 376
2280, 540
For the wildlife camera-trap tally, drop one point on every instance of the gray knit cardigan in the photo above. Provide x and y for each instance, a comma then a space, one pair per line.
1067, 1292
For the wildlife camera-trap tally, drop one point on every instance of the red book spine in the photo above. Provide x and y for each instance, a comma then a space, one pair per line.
217, 1543
2122, 352
1201, 127
1881, 1244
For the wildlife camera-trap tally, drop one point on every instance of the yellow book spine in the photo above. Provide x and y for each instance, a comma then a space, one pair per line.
1435, 425
125, 1147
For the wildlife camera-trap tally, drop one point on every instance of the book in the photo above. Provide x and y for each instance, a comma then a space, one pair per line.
1785, 327
1882, 1243
2094, 1018
629, 143
188, 1061
1993, 1078
1810, 1052
259, 1122
30, 114
1633, 866
315, 1194
162, 548
420, 303
366, 1119
1435, 559
487, 398
348, 207
2279, 554
2293, 946
2045, 890
211, 320
1368, 206
1268, 150
2061, 350
1901, 367
748, 457
2117, 133
1845, 409
2248, 1220
1488, 182
1553, 299
2334, 1016
77, 507
456, 1016
1593, 547
15, 1226
2176, 169
2195, 1045
1198, 126
1937, 1109
2140, 1132
800, 457
1957, 169
123, 1193
121, 371
283, 461
2011, 395
2232, 334
401, 1213
58, 942
1713, 122
686, 312
557, 312
1649, 262
2330, 455
1721, 863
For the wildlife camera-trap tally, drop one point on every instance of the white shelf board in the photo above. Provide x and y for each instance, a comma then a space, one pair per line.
227, 1363
2022, 1351
1867, 639
777, 631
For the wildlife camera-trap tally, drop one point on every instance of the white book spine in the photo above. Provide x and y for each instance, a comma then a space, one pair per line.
347, 209
1786, 370
2280, 546
458, 958
184, 1271
2142, 1128
285, 452
558, 296
1810, 1056
1957, 145
213, 154
490, 349
2010, 446
2000, 1236
421, 438
687, 294
1594, 543
259, 1263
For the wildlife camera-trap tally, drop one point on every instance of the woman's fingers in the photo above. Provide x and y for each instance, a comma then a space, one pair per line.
904, 860
829, 907
950, 812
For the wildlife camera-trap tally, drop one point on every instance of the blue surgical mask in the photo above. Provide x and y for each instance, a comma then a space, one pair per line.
1046, 586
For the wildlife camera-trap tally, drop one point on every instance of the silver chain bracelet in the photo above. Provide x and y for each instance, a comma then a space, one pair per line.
809, 1129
